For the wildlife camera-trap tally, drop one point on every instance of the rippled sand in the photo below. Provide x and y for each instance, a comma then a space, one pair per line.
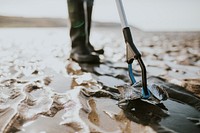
41, 90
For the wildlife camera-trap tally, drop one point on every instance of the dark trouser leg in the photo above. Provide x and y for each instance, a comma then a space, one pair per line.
80, 13
88, 15
77, 19
79, 32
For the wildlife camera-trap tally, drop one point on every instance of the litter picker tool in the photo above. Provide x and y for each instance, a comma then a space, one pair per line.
132, 52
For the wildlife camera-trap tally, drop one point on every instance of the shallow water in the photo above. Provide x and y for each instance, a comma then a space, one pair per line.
42, 91
52, 124
178, 119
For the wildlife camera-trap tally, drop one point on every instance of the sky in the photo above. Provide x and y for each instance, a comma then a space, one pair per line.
148, 15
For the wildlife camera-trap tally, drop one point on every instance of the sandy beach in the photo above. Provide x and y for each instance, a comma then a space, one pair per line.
43, 91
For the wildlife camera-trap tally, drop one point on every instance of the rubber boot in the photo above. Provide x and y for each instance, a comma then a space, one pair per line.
79, 35
88, 15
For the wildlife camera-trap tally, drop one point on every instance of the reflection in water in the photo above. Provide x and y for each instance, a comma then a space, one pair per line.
144, 112
162, 119
178, 119
34, 84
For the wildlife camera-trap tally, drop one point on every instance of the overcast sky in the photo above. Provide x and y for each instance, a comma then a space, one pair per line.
149, 15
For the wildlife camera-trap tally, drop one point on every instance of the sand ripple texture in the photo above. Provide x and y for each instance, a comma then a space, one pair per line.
42, 91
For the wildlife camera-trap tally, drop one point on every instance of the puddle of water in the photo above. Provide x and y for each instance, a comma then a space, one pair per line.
106, 118
47, 124
177, 119
60, 83
178, 112
110, 81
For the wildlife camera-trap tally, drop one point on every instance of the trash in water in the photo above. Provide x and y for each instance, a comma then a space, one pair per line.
129, 93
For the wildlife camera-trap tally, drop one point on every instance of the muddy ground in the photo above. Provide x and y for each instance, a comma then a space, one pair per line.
43, 91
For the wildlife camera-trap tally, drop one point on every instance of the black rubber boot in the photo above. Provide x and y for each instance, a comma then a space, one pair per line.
88, 14
82, 50
83, 56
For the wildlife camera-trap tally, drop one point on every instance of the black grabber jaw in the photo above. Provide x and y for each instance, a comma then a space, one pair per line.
131, 54
131, 51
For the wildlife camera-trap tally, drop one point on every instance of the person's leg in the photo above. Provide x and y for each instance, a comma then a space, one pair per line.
88, 14
80, 51
77, 20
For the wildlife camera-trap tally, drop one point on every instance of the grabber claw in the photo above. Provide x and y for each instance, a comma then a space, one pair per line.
145, 91
132, 52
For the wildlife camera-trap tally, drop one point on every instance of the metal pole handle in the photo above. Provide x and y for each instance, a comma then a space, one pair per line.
122, 15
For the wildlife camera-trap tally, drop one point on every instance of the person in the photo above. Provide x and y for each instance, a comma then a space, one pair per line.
80, 12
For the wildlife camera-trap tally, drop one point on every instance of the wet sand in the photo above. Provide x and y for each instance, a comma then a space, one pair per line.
41, 90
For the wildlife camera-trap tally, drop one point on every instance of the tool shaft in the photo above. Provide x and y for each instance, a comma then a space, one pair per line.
122, 14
